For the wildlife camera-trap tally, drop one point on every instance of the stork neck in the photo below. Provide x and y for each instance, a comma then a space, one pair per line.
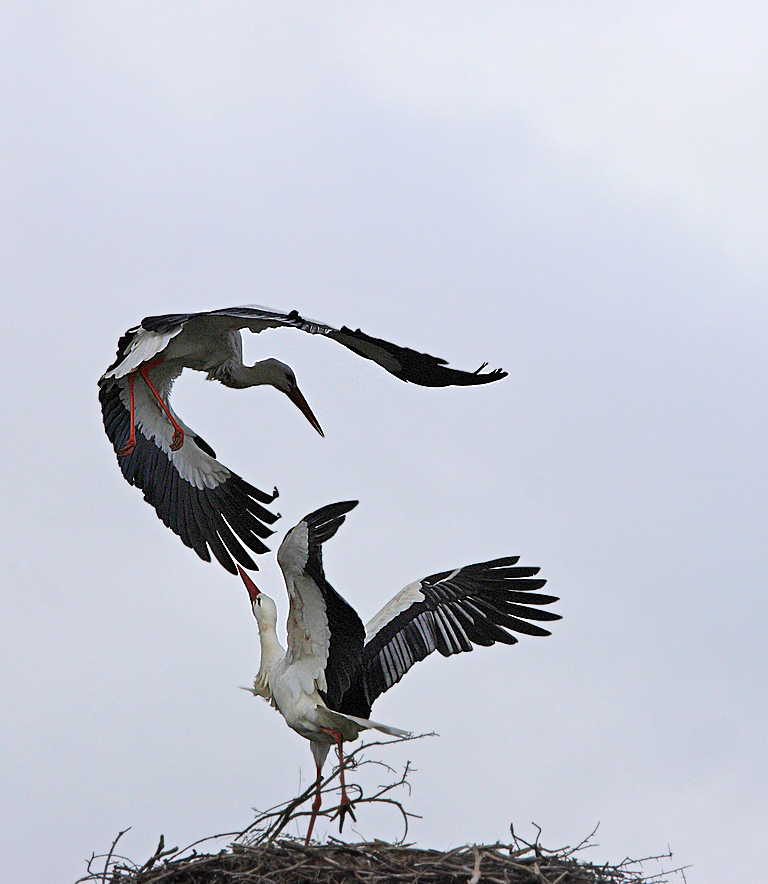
239, 375
271, 649
272, 652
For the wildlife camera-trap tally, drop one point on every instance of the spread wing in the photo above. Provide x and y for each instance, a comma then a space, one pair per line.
410, 365
448, 612
211, 508
137, 346
404, 363
208, 506
324, 632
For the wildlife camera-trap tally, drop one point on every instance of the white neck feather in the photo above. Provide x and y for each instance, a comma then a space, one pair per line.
272, 652
267, 371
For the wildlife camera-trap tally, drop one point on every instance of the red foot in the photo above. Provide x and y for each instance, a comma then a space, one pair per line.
178, 433
131, 443
345, 805
127, 449
345, 808
315, 805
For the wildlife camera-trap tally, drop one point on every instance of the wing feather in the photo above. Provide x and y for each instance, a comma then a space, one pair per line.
224, 513
323, 628
210, 508
409, 365
448, 612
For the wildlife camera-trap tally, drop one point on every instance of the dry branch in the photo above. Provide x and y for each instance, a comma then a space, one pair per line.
260, 854
287, 861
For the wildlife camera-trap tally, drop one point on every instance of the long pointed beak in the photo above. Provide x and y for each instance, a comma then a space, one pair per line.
295, 395
253, 590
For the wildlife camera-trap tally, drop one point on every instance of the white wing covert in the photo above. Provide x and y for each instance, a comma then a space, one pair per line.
448, 612
208, 506
404, 363
212, 509
316, 609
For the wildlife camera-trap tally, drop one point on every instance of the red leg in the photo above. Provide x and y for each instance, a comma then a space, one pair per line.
131, 443
315, 805
178, 433
345, 806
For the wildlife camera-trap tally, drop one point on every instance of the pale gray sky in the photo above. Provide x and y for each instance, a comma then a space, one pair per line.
575, 193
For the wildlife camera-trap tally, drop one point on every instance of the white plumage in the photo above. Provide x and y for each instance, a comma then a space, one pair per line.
333, 669
212, 509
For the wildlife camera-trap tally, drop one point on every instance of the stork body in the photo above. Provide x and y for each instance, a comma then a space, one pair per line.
211, 508
334, 668
289, 682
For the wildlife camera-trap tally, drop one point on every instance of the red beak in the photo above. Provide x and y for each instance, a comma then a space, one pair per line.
253, 590
294, 394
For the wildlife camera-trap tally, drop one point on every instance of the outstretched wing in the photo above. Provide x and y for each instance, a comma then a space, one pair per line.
448, 612
404, 363
137, 346
155, 333
410, 365
325, 634
211, 508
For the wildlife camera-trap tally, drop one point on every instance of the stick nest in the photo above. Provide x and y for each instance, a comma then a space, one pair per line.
288, 861
262, 853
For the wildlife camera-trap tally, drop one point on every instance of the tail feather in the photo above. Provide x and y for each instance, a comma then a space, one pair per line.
350, 725
375, 725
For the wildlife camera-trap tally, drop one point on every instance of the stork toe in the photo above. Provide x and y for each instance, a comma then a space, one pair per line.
127, 449
345, 807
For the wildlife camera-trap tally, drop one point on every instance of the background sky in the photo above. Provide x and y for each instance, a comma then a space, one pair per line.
574, 192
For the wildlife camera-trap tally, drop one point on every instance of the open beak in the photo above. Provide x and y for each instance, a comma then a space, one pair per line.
294, 394
253, 590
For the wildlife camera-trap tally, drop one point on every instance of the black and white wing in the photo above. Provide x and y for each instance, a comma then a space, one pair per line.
208, 506
154, 334
404, 363
410, 365
325, 634
447, 612
211, 508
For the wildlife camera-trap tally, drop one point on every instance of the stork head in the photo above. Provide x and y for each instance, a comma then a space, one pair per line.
281, 377
263, 607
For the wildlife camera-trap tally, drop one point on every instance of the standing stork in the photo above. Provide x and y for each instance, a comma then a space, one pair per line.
198, 498
334, 668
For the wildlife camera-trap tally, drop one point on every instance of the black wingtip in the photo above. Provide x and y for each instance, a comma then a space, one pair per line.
326, 521
330, 510
410, 365
221, 521
495, 374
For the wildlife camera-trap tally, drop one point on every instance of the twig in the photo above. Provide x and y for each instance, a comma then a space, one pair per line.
476, 871
111, 851
269, 824
262, 852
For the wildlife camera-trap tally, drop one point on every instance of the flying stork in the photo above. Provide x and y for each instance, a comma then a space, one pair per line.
325, 683
207, 505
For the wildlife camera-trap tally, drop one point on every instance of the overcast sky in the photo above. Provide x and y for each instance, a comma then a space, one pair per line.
574, 192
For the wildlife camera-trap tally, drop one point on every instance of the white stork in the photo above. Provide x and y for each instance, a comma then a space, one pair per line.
334, 668
206, 504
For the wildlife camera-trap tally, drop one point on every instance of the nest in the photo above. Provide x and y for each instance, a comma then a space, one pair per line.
262, 853
288, 861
